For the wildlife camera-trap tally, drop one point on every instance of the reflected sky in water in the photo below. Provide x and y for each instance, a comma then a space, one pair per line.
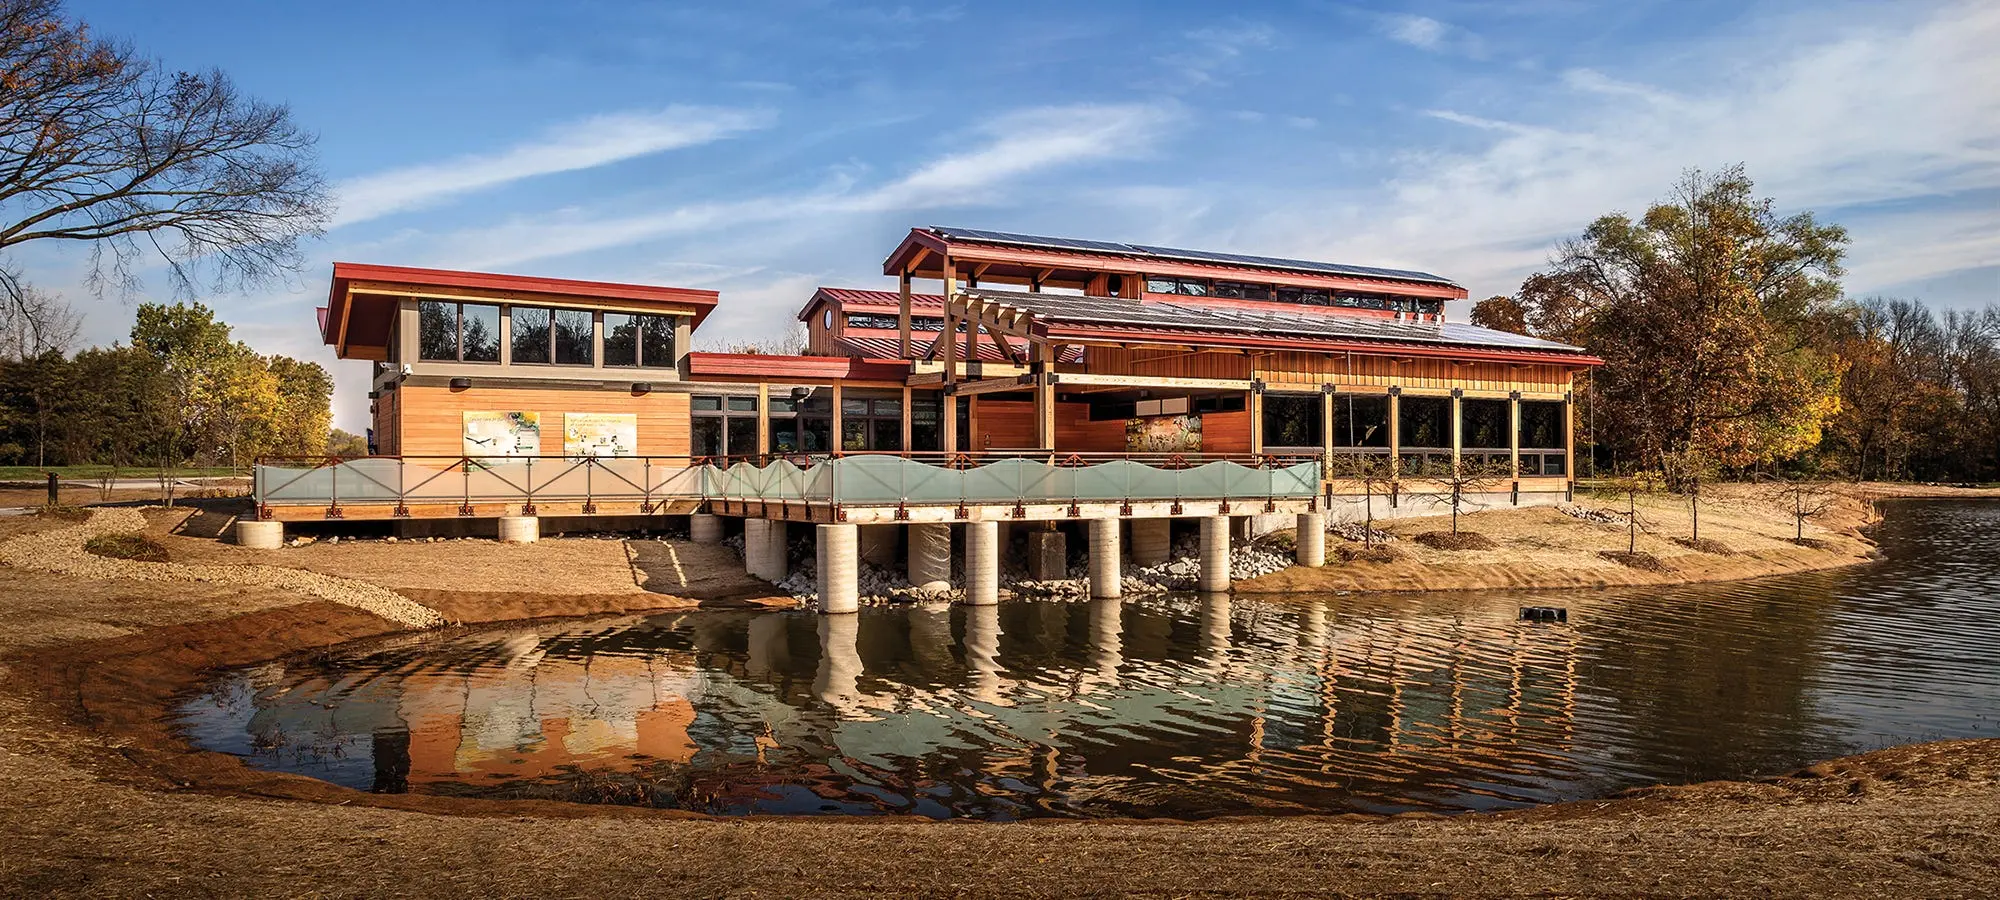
1180, 706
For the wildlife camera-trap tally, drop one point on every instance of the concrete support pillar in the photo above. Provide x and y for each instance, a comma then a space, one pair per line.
1309, 543
982, 563
839, 569
1214, 575
705, 528
520, 529
930, 556
260, 535
1048, 556
1152, 542
1106, 581
766, 554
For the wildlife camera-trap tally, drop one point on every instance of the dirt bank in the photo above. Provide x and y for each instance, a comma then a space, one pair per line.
103, 802
1543, 548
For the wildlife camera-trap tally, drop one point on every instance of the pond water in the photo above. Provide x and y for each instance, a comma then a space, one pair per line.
1177, 706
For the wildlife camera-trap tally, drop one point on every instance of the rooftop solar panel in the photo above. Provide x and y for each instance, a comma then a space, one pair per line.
1143, 250
1118, 311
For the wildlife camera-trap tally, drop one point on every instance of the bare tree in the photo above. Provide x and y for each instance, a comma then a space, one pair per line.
1803, 500
101, 146
1372, 470
1643, 482
33, 323
1453, 485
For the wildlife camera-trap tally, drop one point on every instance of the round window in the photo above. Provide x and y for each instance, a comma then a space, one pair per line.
827, 319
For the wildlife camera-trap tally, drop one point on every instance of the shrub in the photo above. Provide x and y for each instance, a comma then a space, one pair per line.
1705, 545
1456, 540
1643, 561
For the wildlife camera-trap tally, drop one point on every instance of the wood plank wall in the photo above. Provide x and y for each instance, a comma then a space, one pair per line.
1225, 432
432, 419
1314, 369
386, 437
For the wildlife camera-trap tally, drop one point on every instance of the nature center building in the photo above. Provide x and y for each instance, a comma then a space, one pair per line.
1000, 378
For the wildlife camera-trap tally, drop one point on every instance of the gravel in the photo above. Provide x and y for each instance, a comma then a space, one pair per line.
1591, 514
1359, 533
61, 551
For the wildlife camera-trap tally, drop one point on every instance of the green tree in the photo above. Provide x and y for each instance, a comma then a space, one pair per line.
1501, 313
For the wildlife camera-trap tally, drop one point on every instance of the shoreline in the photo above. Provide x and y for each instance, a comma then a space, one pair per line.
87, 684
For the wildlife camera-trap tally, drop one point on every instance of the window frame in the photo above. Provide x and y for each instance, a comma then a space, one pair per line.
458, 332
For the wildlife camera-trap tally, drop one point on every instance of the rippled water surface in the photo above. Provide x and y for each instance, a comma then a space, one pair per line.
1176, 707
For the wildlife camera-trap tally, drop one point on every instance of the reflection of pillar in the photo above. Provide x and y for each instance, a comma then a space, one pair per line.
1107, 625
1214, 575
930, 556
1309, 541
391, 753
982, 563
1215, 624
1152, 541
982, 650
770, 647
930, 637
837, 683
839, 569
1104, 575
1312, 625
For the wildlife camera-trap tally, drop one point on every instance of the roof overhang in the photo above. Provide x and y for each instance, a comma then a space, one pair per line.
795, 368
1177, 338
363, 298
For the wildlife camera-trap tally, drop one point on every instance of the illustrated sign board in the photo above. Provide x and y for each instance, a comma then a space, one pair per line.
1163, 434
600, 434
503, 434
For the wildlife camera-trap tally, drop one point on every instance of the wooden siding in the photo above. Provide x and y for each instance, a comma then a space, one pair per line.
1004, 425
433, 421
1225, 432
385, 423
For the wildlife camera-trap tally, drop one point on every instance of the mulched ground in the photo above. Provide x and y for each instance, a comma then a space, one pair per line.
1455, 540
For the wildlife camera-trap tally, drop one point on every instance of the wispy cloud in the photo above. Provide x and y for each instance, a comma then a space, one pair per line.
1010, 148
1421, 32
589, 143
1212, 52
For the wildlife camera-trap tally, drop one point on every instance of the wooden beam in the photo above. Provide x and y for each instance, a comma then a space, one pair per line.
903, 318
834, 442
1045, 399
972, 323
1216, 384
907, 415
999, 342
1254, 403
990, 385
763, 418
346, 316
948, 338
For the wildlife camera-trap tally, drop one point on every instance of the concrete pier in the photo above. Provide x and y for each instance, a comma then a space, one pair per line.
839, 569
1152, 542
520, 529
930, 556
260, 535
1214, 575
766, 554
1106, 580
1309, 542
1048, 556
705, 528
982, 563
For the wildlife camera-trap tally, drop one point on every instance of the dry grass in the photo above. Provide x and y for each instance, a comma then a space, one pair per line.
1354, 553
135, 547
1456, 540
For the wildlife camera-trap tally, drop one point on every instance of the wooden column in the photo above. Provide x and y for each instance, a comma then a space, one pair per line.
1326, 422
1457, 424
1514, 435
948, 339
1569, 437
908, 414
972, 309
1255, 405
948, 419
835, 443
763, 419
903, 318
1045, 396
1395, 431
972, 424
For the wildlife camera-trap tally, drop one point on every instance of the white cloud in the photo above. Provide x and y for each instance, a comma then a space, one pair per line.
1212, 51
1891, 112
1422, 32
1006, 150
589, 143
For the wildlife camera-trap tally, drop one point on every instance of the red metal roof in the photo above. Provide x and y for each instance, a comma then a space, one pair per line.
346, 274
860, 300
925, 344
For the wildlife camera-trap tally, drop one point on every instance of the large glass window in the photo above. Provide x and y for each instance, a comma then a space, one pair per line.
452, 332
871, 423
1360, 421
1193, 287
636, 340
1426, 422
1291, 420
1484, 424
531, 334
1542, 424
573, 337
723, 425
925, 429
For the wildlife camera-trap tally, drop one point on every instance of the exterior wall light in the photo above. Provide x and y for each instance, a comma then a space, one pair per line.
642, 387
460, 384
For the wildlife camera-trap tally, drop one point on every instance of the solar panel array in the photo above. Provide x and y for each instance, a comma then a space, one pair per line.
1122, 312
1204, 256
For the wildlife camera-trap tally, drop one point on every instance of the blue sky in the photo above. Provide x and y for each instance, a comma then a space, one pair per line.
763, 148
